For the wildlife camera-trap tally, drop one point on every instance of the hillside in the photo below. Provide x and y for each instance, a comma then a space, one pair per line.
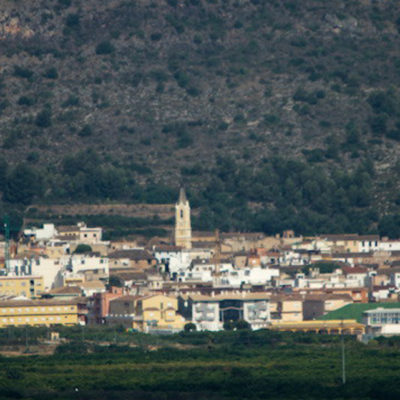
273, 114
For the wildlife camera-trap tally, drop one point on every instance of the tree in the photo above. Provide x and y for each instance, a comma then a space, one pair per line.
3, 173
236, 325
228, 325
43, 118
115, 281
82, 248
22, 185
105, 48
190, 327
242, 324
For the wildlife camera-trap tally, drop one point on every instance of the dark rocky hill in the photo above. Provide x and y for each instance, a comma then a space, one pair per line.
273, 113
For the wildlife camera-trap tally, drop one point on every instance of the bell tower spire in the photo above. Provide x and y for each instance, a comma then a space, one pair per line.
183, 229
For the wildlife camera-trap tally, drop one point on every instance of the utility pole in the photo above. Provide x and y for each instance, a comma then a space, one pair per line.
26, 340
343, 359
7, 243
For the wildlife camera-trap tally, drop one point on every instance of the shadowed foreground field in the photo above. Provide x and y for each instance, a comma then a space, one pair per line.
226, 365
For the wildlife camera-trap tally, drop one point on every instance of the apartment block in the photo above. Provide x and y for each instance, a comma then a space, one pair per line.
26, 286
37, 313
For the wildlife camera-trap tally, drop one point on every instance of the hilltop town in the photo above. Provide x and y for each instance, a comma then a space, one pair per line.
68, 275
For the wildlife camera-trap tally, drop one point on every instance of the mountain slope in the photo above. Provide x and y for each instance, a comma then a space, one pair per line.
273, 114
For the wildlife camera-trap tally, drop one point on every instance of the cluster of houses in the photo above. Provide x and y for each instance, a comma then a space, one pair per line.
210, 280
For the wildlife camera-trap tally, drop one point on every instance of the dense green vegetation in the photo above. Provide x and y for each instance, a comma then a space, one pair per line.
274, 114
224, 365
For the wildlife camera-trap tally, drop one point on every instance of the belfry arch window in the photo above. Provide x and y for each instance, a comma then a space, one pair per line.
181, 213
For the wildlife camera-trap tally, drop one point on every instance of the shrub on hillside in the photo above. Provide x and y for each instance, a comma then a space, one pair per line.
43, 118
104, 48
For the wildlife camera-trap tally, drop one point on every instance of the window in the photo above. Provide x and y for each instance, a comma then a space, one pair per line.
181, 213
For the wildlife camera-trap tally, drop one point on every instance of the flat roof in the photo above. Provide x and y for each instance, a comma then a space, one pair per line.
382, 310
231, 296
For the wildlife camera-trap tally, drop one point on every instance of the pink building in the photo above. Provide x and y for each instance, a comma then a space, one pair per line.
101, 304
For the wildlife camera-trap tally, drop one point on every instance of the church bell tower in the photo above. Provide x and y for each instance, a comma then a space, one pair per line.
183, 229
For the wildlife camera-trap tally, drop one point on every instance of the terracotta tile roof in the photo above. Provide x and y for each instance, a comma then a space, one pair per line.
247, 235
31, 303
354, 270
328, 296
134, 254
167, 247
127, 297
73, 290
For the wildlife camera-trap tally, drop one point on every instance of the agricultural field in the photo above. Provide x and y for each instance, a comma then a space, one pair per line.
224, 365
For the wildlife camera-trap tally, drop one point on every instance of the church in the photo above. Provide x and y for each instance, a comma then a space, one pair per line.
183, 228
184, 237
215, 241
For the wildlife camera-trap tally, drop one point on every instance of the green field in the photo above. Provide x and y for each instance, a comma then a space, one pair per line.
224, 365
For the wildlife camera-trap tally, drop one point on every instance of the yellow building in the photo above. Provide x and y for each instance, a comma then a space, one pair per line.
153, 312
37, 313
160, 312
287, 308
332, 327
27, 286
